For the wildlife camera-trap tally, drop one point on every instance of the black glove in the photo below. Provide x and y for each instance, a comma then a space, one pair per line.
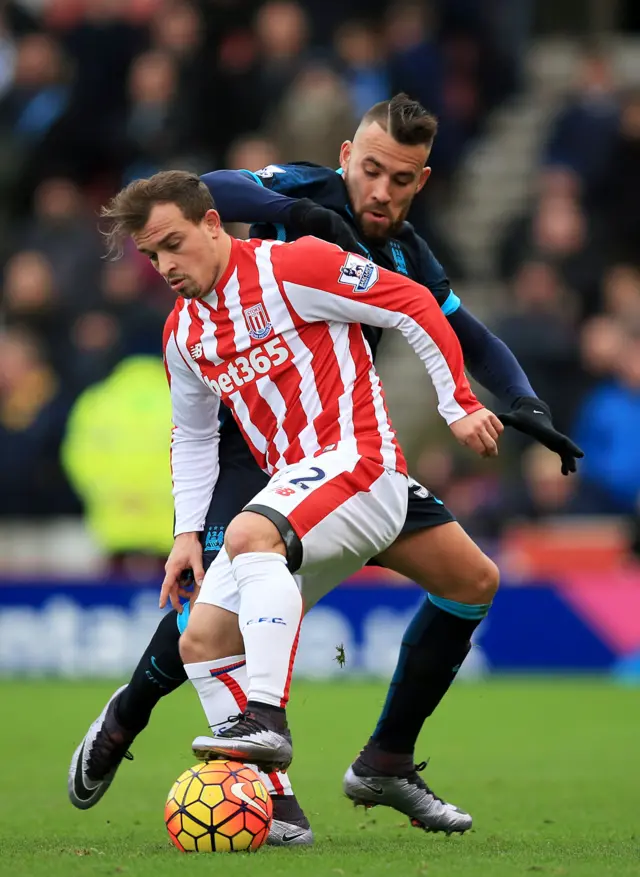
307, 217
533, 417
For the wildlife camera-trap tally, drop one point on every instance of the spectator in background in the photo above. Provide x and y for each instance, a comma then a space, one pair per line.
314, 118
31, 111
63, 229
582, 133
115, 454
233, 102
282, 31
250, 153
541, 331
95, 349
558, 231
362, 55
607, 428
601, 340
150, 129
33, 412
621, 293
545, 492
30, 301
140, 322
8, 53
416, 63
620, 190
177, 29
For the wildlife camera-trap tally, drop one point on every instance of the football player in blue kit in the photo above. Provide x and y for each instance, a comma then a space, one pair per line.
363, 207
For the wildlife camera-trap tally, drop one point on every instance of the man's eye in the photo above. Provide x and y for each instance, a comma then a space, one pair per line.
172, 247
370, 173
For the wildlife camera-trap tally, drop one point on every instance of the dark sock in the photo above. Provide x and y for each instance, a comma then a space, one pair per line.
287, 809
433, 647
159, 672
273, 717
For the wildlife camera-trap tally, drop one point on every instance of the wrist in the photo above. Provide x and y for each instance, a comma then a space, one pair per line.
529, 403
188, 536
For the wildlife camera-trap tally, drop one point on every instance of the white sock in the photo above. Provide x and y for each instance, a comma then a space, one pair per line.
269, 617
221, 687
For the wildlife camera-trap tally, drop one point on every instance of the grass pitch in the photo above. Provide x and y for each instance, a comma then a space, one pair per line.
550, 771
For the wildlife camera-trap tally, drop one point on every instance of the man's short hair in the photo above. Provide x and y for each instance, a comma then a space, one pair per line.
404, 119
128, 211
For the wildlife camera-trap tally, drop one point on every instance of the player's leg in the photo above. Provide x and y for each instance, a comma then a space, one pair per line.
221, 683
442, 558
160, 670
329, 512
126, 714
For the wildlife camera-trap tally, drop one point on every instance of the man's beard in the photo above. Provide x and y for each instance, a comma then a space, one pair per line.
378, 234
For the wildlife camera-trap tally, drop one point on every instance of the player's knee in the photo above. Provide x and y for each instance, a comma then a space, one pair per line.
486, 581
249, 532
194, 648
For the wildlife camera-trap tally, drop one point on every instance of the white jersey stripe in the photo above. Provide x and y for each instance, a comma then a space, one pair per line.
232, 300
387, 448
340, 336
182, 340
275, 400
208, 341
254, 435
280, 316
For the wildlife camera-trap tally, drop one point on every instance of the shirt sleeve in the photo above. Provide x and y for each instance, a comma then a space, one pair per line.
489, 360
323, 282
240, 196
194, 437
434, 277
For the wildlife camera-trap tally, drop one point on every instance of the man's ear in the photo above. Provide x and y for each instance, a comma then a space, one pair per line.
345, 155
424, 176
213, 222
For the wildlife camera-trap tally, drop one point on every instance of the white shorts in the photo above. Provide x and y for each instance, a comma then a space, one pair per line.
343, 508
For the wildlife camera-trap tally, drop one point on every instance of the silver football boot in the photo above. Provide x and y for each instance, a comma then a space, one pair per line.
407, 794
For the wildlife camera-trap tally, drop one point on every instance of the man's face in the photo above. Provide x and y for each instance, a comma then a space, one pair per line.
382, 177
186, 254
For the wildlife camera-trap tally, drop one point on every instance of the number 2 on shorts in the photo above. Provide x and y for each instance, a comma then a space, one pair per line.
303, 479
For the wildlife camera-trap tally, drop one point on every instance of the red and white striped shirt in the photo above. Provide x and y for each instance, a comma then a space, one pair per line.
279, 341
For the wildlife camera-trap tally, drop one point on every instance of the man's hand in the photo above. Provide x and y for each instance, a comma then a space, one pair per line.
479, 431
533, 417
186, 554
307, 217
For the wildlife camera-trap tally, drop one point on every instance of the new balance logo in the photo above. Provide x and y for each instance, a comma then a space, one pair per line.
241, 370
196, 351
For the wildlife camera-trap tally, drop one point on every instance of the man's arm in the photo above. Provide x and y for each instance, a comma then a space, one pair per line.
241, 196
324, 283
194, 439
194, 466
487, 358
494, 366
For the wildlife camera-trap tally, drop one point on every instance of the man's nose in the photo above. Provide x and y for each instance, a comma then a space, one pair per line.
166, 264
381, 192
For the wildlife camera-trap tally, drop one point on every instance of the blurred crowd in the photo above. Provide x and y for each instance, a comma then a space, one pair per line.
94, 93
571, 265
